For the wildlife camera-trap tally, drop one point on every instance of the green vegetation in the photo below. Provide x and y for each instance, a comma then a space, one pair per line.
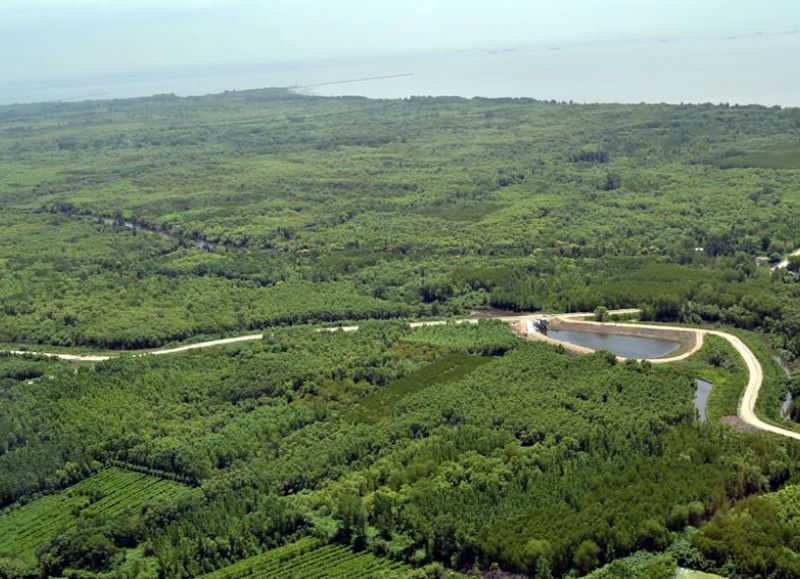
309, 558
380, 405
527, 458
757, 538
454, 448
718, 363
787, 157
111, 493
332, 209
641, 564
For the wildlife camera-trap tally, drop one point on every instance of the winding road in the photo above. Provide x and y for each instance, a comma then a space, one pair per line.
747, 404
522, 323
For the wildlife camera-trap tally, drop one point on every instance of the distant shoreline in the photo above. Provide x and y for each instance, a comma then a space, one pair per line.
683, 71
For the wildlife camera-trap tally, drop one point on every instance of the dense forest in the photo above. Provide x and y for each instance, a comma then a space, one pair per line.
503, 453
268, 208
393, 452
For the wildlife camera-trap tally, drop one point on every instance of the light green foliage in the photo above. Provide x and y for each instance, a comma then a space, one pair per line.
642, 565
491, 338
329, 209
787, 503
261, 209
787, 157
110, 493
754, 539
310, 558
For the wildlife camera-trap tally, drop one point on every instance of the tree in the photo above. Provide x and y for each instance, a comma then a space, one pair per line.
652, 535
351, 512
539, 555
612, 181
83, 548
586, 556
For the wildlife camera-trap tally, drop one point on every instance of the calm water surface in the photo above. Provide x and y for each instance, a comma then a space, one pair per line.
748, 69
627, 346
701, 395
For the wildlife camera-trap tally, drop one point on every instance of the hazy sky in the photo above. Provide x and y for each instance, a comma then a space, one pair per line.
43, 40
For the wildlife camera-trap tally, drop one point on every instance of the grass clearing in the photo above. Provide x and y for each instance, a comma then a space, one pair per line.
690, 574
787, 157
450, 368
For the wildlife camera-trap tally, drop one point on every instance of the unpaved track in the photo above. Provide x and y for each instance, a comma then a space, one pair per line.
746, 410
67, 357
785, 263
747, 403
104, 357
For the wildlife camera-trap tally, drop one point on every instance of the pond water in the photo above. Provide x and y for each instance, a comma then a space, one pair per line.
701, 395
635, 347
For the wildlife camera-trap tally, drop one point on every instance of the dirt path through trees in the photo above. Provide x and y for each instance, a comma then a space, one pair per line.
521, 324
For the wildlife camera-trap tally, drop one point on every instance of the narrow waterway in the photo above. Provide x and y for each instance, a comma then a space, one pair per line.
787, 401
133, 226
701, 395
636, 347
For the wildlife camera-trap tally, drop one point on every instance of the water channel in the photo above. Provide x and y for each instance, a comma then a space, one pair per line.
133, 226
701, 395
787, 401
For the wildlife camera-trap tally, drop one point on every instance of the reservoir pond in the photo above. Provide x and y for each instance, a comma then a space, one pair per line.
635, 347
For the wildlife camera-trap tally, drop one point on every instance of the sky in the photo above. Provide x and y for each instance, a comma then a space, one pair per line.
45, 40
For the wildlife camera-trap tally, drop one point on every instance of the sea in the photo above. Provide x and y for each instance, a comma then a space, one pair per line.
749, 69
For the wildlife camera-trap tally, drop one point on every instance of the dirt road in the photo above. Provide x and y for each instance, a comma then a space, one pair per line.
746, 409
522, 324
104, 357
785, 263
747, 404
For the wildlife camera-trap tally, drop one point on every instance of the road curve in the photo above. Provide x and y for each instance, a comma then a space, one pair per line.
746, 409
755, 373
747, 404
